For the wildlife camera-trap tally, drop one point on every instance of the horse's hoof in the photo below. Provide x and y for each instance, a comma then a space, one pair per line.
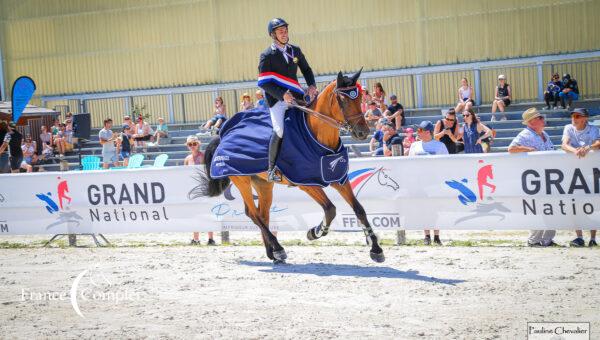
280, 255
310, 235
278, 262
379, 258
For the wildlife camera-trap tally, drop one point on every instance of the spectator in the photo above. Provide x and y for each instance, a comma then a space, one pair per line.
69, 121
465, 96
373, 114
473, 132
142, 132
162, 130
124, 143
553, 90
376, 143
409, 138
107, 140
446, 131
246, 103
365, 100
395, 113
196, 157
427, 145
579, 138
502, 97
13, 140
379, 97
219, 117
45, 136
28, 148
570, 91
260, 100
390, 138
127, 121
534, 138
55, 127
63, 140
47, 150
4, 139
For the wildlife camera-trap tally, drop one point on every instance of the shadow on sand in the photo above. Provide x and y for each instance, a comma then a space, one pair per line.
328, 269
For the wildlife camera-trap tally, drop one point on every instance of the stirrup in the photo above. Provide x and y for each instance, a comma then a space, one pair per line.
273, 176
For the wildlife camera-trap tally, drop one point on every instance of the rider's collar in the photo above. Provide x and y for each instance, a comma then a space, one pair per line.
274, 47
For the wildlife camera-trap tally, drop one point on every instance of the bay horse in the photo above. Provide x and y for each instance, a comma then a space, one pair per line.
337, 105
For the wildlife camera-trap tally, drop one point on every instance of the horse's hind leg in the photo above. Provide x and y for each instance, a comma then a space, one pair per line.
319, 195
346, 191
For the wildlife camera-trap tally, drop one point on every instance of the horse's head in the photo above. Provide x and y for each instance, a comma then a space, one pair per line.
348, 96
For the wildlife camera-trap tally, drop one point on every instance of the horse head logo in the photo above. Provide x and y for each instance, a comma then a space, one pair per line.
385, 180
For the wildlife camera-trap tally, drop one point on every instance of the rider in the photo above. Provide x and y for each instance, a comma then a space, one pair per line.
277, 69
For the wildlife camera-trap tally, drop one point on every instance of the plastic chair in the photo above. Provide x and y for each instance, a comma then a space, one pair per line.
90, 163
135, 161
159, 161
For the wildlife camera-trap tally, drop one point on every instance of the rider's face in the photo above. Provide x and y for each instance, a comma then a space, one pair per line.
281, 33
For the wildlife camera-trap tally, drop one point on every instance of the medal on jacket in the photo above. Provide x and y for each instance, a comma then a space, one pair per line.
291, 56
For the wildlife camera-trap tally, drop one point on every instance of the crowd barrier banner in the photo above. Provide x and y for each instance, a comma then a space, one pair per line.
546, 190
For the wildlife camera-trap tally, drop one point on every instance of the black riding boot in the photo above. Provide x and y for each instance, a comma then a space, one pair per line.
274, 147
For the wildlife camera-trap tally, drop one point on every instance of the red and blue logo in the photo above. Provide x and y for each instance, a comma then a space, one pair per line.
359, 178
60, 204
467, 196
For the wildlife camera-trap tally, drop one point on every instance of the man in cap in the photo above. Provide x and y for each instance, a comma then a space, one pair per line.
277, 70
534, 138
579, 138
570, 91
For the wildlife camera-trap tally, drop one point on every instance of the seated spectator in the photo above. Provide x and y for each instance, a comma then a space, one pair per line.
376, 143
391, 138
196, 157
55, 127
124, 143
246, 103
502, 97
219, 117
446, 131
45, 135
63, 140
533, 138
473, 132
465, 96
395, 113
107, 140
579, 138
427, 145
379, 97
127, 121
28, 148
373, 114
570, 91
162, 130
142, 132
553, 90
409, 138
47, 150
261, 103
365, 100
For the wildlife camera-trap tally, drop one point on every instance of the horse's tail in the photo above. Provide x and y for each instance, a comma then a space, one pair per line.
208, 186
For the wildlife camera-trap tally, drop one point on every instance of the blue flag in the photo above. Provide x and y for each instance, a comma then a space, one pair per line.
22, 91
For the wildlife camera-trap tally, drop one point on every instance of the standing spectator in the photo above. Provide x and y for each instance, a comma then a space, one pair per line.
579, 138
219, 117
373, 114
260, 100
196, 157
409, 138
124, 143
13, 139
502, 97
142, 132
395, 113
553, 90
473, 132
570, 91
4, 139
534, 138
376, 143
465, 96
45, 136
426, 145
162, 130
28, 148
379, 97
365, 100
446, 131
246, 103
107, 140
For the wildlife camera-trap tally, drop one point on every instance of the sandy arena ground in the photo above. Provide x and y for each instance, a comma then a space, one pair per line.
483, 290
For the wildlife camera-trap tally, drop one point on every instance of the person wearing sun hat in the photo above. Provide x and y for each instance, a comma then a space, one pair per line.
246, 103
579, 138
533, 138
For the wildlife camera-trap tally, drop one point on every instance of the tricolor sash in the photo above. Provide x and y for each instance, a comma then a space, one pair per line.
288, 83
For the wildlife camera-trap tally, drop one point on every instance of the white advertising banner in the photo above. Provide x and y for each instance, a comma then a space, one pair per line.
546, 190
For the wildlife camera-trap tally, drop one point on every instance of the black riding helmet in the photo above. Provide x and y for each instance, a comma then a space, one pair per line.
275, 23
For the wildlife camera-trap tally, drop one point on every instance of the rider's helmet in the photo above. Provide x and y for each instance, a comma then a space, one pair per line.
275, 23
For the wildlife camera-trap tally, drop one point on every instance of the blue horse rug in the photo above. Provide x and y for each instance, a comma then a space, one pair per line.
244, 150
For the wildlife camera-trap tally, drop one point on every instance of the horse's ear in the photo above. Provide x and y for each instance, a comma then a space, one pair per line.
356, 76
340, 80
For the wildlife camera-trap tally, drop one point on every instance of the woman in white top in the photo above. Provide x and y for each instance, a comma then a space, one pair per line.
465, 97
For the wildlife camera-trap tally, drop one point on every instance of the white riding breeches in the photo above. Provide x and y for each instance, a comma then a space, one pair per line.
277, 115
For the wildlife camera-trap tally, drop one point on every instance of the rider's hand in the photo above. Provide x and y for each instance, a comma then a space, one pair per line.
288, 98
312, 92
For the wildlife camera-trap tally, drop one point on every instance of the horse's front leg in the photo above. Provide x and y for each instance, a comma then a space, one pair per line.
319, 195
346, 191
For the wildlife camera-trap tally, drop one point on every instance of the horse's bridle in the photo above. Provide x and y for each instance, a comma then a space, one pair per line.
351, 92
